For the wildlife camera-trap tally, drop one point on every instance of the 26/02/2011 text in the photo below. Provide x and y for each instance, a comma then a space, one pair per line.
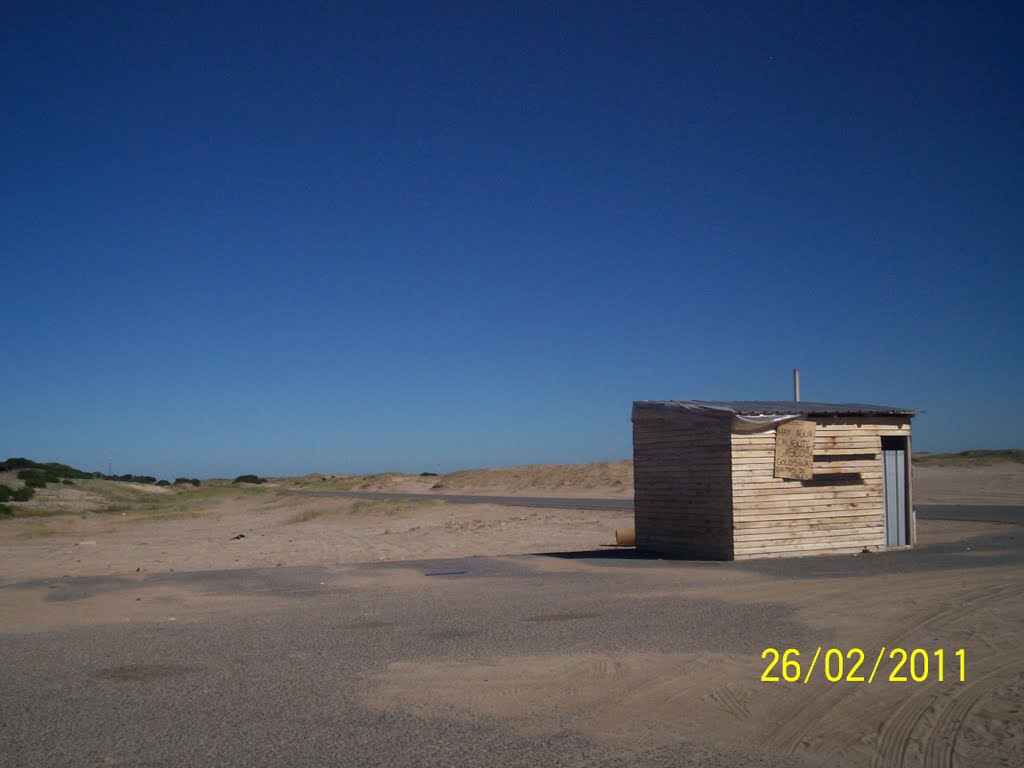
905, 665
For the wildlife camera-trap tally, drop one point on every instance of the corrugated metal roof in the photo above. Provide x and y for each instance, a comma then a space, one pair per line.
770, 407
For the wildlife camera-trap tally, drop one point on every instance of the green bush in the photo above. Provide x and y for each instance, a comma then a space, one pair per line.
17, 463
63, 470
145, 479
5, 493
249, 479
36, 475
51, 469
5, 510
37, 478
23, 494
196, 482
162, 483
68, 482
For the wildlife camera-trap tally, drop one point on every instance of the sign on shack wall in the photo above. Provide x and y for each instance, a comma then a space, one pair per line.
794, 450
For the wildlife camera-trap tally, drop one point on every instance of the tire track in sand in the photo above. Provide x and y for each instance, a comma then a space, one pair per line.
940, 749
896, 734
789, 734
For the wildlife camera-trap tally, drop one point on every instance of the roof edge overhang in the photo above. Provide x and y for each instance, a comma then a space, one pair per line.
754, 416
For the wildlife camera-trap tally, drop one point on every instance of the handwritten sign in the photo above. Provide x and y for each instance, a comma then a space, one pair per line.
794, 450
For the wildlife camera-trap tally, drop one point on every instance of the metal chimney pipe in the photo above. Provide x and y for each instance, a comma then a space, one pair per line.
796, 385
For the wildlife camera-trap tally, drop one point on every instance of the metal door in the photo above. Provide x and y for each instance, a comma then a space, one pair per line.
894, 472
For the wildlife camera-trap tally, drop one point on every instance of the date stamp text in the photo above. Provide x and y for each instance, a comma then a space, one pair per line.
895, 665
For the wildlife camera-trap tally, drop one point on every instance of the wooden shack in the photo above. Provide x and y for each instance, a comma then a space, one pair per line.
736, 480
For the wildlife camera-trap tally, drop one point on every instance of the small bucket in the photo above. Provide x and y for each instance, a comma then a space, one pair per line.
625, 537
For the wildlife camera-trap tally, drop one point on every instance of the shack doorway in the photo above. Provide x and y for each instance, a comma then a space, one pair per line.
894, 477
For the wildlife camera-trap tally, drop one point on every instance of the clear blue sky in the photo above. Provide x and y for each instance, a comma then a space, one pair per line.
286, 237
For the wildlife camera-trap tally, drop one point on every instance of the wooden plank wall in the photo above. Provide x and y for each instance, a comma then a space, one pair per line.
682, 485
841, 510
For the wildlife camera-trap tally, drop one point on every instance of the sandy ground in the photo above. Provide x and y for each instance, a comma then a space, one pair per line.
191, 530
636, 697
621, 698
270, 530
617, 653
1000, 483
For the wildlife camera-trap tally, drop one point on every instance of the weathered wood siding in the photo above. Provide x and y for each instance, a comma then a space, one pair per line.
840, 510
682, 485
